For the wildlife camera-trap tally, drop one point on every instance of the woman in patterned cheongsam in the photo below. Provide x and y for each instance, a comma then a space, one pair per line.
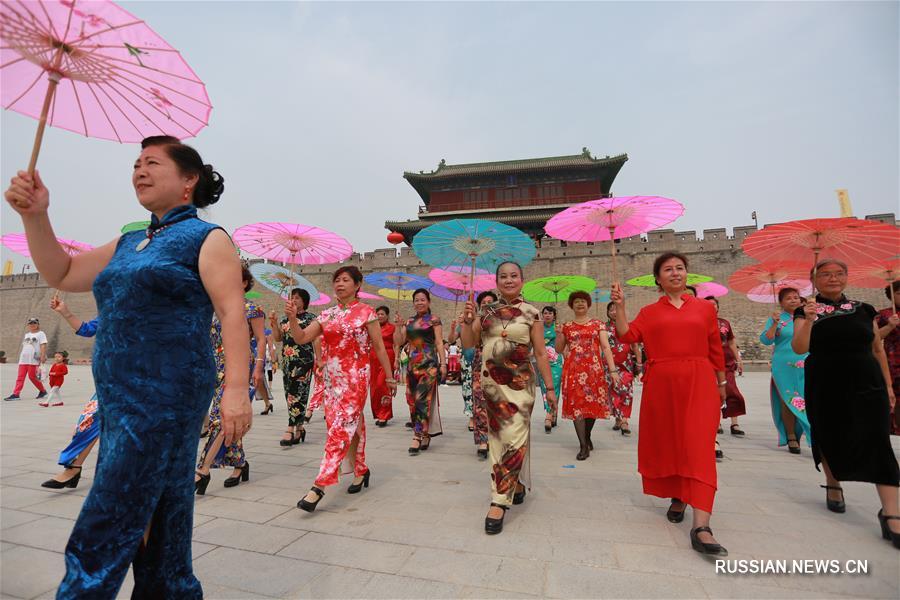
508, 330
349, 331
425, 370
297, 363
215, 454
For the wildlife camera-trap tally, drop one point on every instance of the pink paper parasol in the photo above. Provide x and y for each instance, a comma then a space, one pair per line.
110, 75
18, 243
367, 296
292, 243
710, 288
613, 218
804, 287
322, 300
459, 278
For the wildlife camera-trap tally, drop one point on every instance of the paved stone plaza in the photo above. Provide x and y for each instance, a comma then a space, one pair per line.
585, 530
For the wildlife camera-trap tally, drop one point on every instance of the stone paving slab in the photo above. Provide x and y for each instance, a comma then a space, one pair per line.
585, 530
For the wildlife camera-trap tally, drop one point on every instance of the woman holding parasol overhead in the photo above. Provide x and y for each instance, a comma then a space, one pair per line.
169, 278
680, 410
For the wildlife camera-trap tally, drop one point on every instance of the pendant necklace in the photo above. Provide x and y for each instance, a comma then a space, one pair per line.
151, 233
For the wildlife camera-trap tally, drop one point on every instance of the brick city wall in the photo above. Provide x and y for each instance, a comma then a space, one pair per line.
711, 252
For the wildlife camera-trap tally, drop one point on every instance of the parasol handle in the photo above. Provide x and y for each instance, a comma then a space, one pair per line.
774, 296
54, 78
893, 302
612, 252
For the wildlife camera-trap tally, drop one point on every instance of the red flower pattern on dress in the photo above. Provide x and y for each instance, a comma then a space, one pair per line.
345, 354
585, 395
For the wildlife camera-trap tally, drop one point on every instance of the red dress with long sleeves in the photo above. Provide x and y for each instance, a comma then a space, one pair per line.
680, 402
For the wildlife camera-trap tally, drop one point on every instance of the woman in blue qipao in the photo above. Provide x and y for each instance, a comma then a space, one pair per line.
87, 429
154, 380
786, 389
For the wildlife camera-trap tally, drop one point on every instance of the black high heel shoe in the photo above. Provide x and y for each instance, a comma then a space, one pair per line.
482, 453
495, 526
548, 425
269, 408
71, 482
625, 430
414, 450
675, 516
703, 547
424, 447
519, 497
311, 506
357, 487
793, 449
287, 443
583, 454
244, 476
886, 532
302, 437
201, 484
737, 431
837, 506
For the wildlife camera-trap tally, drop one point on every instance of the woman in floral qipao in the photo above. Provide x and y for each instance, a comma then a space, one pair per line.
786, 389
426, 368
508, 331
297, 363
349, 331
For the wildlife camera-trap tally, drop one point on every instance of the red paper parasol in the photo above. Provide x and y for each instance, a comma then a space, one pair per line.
765, 278
876, 275
613, 218
853, 241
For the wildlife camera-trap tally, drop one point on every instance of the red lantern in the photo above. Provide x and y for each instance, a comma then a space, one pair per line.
395, 238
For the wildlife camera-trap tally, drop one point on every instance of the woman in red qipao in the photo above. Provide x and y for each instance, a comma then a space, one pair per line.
380, 395
680, 402
349, 333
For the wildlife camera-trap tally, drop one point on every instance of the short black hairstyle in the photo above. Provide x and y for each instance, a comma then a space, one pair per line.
386, 310
887, 289
484, 295
785, 291
666, 256
304, 296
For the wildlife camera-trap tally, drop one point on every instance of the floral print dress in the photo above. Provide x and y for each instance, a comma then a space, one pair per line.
297, 362
786, 387
507, 382
346, 372
621, 394
892, 350
584, 379
233, 455
422, 374
734, 401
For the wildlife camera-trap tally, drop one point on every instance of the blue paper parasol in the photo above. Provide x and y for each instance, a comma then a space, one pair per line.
397, 280
281, 281
474, 243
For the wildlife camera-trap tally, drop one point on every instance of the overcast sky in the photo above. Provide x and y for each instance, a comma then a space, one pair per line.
319, 108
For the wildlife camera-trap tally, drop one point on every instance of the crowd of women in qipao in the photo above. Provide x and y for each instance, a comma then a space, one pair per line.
833, 382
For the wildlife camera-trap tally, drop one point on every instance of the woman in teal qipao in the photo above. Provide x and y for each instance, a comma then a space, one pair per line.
153, 368
548, 314
786, 388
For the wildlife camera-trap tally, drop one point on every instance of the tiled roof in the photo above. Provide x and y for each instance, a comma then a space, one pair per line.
508, 166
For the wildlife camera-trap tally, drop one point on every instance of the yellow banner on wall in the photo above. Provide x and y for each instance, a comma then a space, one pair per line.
844, 201
8, 267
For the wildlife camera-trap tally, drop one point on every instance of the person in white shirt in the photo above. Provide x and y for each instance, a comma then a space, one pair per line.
33, 355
